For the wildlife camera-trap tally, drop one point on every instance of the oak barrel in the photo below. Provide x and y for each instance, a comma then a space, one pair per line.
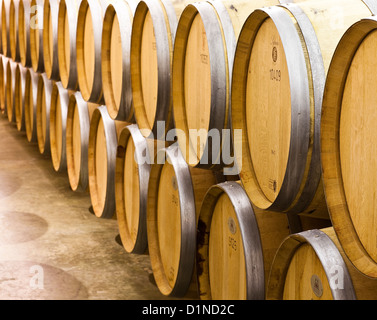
19, 96
1, 31
3, 80
50, 39
88, 49
236, 244
31, 93
152, 44
134, 157
347, 144
67, 28
58, 125
9, 90
311, 265
5, 41
36, 35
77, 140
202, 63
43, 113
116, 47
280, 67
102, 148
24, 11
175, 195
13, 30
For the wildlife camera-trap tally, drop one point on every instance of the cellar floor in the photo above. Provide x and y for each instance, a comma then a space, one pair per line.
51, 246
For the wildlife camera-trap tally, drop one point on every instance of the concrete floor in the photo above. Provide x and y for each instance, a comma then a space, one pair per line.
51, 246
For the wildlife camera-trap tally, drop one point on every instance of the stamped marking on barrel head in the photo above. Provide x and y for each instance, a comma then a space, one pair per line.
232, 225
274, 54
174, 183
317, 286
204, 58
170, 274
272, 184
175, 200
204, 40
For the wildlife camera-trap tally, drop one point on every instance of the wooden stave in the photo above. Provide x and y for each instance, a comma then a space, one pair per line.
80, 183
68, 77
10, 88
140, 245
332, 176
97, 8
166, 29
125, 110
31, 88
13, 30
37, 60
44, 85
20, 97
50, 58
58, 93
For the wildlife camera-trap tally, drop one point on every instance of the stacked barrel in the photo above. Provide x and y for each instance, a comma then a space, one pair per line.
226, 137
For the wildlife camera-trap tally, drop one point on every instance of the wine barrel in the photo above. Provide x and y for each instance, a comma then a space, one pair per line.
88, 49
43, 113
77, 140
135, 155
311, 265
203, 58
58, 124
13, 31
9, 90
236, 244
31, 92
24, 11
102, 148
116, 47
5, 41
36, 35
347, 132
67, 28
152, 44
19, 96
132, 170
175, 195
50, 39
277, 88
1, 32
3, 80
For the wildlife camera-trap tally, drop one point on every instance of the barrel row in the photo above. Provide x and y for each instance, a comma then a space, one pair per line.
214, 224
223, 211
237, 81
114, 162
